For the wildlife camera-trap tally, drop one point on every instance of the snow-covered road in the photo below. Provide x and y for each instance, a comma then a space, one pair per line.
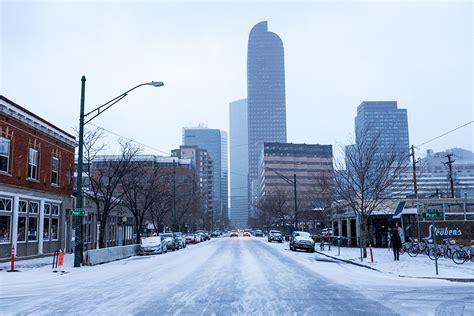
229, 276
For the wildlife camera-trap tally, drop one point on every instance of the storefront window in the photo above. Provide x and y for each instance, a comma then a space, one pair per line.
5, 228
34, 207
32, 228
23, 207
46, 229
47, 209
55, 209
21, 228
54, 228
6, 205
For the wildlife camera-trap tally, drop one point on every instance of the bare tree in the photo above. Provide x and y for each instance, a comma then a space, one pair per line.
276, 207
141, 187
365, 182
105, 174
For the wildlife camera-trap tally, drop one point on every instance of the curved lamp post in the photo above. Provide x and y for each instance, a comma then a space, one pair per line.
293, 183
78, 211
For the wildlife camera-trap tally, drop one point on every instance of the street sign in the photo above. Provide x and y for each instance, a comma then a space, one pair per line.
433, 213
78, 212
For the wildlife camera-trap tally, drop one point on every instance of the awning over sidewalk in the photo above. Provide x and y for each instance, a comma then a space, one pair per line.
402, 210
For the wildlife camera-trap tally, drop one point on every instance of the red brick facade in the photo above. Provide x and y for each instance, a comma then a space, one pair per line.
23, 137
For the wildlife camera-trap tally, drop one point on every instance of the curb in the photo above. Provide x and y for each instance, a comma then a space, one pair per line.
348, 261
462, 280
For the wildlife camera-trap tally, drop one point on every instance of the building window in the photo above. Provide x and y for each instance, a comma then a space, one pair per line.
47, 209
46, 229
5, 205
4, 154
54, 228
23, 206
33, 207
55, 209
55, 171
32, 228
21, 228
5, 228
33, 164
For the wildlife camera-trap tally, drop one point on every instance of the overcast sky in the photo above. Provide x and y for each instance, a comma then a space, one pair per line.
336, 56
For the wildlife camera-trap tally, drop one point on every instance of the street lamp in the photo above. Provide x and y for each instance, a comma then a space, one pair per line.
96, 112
293, 183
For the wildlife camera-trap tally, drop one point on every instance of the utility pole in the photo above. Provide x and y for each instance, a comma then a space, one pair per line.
450, 165
296, 201
414, 170
415, 188
174, 195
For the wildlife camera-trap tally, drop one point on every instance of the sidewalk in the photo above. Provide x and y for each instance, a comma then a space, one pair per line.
420, 266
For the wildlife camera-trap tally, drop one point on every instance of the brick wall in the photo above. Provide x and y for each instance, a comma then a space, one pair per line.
22, 137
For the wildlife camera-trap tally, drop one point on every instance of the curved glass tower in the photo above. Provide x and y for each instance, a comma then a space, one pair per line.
265, 93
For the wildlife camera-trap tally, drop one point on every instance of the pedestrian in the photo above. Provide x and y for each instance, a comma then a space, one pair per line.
396, 244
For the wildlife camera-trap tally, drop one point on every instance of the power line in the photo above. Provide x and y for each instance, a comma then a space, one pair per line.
445, 134
129, 139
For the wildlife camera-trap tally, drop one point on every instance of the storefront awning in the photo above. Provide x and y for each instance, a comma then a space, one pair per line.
399, 210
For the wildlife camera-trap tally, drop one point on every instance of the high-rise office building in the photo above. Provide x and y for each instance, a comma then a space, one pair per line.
265, 93
239, 169
215, 142
385, 121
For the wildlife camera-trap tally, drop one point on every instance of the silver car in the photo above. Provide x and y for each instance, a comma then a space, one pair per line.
153, 245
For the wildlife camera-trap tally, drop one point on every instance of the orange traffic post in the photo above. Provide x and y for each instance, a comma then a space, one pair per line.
12, 268
60, 260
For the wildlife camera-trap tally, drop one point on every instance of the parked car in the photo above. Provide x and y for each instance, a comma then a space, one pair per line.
301, 240
171, 242
275, 235
258, 233
192, 239
234, 233
153, 245
203, 234
181, 239
247, 234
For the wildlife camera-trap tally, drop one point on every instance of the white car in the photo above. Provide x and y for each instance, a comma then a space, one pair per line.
153, 245
301, 240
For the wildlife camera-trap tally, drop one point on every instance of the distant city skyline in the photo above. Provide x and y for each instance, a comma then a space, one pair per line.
215, 142
336, 56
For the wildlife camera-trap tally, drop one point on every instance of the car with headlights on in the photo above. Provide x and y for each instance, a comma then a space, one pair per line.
275, 235
234, 233
153, 245
301, 240
247, 234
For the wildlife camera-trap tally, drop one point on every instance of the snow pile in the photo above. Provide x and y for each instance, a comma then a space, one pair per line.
419, 266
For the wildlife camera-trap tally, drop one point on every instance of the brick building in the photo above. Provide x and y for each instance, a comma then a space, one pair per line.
36, 182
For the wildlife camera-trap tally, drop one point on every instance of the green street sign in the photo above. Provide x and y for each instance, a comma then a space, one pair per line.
433, 214
78, 212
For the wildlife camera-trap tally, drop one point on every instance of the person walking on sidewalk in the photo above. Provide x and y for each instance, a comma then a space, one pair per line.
396, 244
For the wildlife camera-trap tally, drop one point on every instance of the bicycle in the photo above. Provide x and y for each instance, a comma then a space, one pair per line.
462, 255
417, 248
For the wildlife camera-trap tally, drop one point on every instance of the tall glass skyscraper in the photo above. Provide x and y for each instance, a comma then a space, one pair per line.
239, 168
215, 142
265, 93
384, 120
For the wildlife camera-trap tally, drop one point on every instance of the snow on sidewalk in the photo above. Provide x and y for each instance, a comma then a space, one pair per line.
419, 266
